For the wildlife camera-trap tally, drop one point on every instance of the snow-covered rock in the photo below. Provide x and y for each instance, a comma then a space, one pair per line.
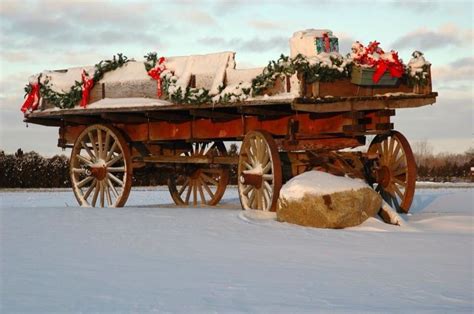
322, 200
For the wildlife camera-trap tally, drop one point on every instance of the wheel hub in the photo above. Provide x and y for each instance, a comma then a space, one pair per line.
253, 179
383, 176
99, 170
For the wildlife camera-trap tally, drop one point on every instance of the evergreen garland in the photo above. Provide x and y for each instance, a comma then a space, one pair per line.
74, 95
285, 66
190, 95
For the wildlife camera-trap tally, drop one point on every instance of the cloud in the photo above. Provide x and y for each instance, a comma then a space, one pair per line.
458, 70
199, 17
55, 23
417, 6
425, 39
255, 44
264, 24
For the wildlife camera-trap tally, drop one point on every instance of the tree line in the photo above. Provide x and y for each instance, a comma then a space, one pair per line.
31, 170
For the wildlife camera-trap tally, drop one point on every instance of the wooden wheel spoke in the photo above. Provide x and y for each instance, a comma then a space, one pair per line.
93, 143
106, 145
247, 189
252, 198
195, 193
79, 170
115, 179
112, 187
267, 177
190, 186
390, 149
267, 167
183, 187
398, 191
99, 142
109, 197
247, 165
116, 169
399, 172
111, 151
101, 191
386, 152
259, 199
83, 182
89, 190
96, 194
207, 188
402, 183
201, 191
114, 160
395, 153
88, 150
84, 160
209, 179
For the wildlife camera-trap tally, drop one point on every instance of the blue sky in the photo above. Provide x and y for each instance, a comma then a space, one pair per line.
39, 35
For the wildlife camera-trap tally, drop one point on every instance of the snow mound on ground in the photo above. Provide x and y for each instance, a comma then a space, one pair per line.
318, 183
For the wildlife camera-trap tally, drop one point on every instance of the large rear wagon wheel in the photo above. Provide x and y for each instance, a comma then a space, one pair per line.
395, 171
202, 184
259, 172
100, 167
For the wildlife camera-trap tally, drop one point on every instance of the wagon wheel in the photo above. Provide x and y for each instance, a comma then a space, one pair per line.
395, 174
259, 172
100, 167
200, 183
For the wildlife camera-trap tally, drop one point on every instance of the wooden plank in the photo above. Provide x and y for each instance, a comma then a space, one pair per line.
263, 112
365, 103
45, 122
384, 126
228, 160
213, 114
81, 119
168, 116
124, 117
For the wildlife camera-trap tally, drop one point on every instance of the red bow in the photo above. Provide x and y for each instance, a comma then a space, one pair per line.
327, 43
155, 74
32, 101
395, 66
87, 84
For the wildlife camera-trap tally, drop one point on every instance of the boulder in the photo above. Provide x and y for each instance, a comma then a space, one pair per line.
349, 202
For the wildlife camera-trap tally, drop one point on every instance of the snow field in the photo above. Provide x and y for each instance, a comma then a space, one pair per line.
152, 256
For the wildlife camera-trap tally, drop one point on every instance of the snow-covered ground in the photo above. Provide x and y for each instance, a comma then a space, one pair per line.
153, 256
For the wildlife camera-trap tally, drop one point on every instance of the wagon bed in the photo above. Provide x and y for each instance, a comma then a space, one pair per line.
135, 110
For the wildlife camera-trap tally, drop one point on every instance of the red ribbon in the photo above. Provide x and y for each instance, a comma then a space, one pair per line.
32, 101
155, 74
327, 43
87, 84
395, 67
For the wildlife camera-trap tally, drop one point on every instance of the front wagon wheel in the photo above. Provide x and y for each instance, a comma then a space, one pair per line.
100, 167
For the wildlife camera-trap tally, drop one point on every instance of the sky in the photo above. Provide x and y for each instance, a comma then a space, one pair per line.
56, 34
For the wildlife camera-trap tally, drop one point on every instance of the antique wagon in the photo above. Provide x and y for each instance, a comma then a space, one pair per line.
294, 127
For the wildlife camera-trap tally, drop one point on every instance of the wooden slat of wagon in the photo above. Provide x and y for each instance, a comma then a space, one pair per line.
363, 103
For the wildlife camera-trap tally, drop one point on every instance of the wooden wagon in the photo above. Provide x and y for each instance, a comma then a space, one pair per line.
296, 125
280, 138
